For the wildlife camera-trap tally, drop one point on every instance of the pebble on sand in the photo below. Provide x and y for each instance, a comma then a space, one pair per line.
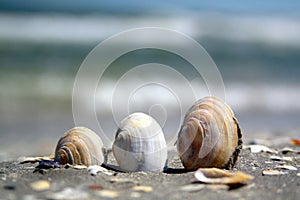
40, 185
108, 193
192, 187
142, 188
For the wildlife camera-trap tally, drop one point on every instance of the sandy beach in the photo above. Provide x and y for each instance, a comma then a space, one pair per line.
16, 180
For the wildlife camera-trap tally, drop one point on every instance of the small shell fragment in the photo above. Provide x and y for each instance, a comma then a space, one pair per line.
108, 193
121, 180
287, 167
298, 174
295, 142
256, 148
23, 160
94, 169
48, 164
95, 187
285, 150
277, 158
217, 187
218, 176
270, 172
142, 188
192, 187
40, 185
79, 167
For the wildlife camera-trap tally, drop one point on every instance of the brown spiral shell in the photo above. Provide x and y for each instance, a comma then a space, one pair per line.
210, 135
79, 146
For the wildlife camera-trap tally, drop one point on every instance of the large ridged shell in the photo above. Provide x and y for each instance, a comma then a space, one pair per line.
140, 144
210, 135
79, 146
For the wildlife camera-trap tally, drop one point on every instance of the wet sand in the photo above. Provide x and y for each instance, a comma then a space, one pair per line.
15, 180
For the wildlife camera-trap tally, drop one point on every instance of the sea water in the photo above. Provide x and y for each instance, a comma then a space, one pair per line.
257, 56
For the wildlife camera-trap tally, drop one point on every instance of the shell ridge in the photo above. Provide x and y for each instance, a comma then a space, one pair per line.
144, 135
220, 140
79, 145
69, 154
210, 135
231, 162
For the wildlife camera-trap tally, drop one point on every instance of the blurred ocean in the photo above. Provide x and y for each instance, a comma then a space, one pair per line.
257, 54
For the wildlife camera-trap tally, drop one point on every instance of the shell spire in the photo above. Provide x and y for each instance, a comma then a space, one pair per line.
79, 146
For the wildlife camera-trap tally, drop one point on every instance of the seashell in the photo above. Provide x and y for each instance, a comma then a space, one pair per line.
287, 167
123, 180
270, 172
79, 167
94, 169
23, 160
218, 176
79, 146
257, 148
285, 158
286, 150
140, 144
210, 135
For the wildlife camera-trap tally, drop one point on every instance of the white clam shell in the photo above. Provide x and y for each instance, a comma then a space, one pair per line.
140, 144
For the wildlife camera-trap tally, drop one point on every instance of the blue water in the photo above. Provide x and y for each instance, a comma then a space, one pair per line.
142, 7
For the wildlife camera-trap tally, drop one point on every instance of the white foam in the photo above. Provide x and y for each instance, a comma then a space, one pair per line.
95, 28
243, 97
275, 97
